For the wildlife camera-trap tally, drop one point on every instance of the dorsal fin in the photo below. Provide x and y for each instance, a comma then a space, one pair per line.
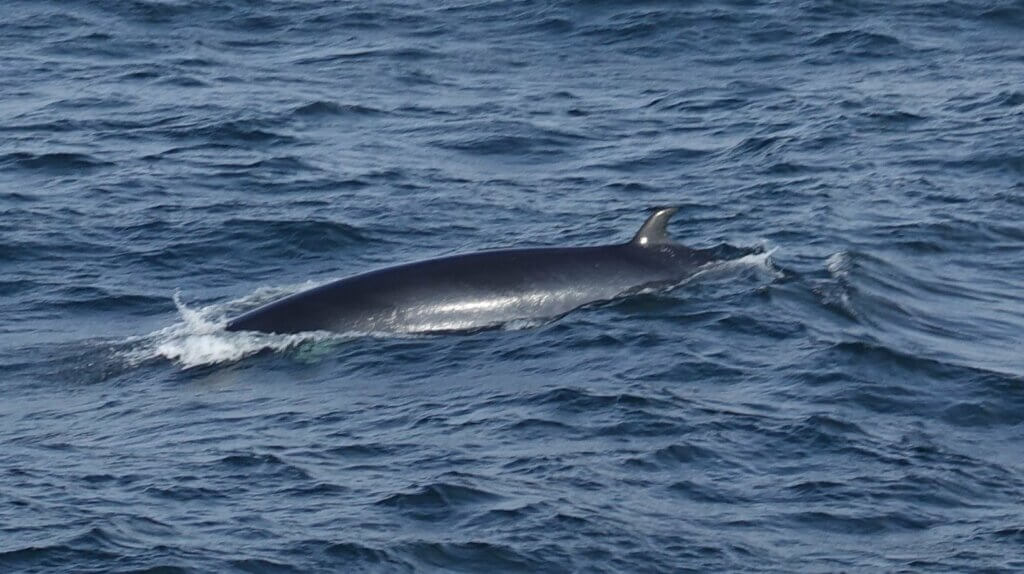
652, 232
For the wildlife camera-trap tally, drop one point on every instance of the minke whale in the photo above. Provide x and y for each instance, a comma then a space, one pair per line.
486, 288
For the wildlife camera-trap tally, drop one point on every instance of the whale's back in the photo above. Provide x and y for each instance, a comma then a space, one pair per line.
464, 291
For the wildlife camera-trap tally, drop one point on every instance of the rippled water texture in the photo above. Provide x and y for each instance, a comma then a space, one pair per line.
853, 401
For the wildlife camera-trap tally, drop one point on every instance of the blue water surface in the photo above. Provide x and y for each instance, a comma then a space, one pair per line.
851, 400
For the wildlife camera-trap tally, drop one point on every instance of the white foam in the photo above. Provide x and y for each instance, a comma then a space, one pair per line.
838, 293
838, 264
758, 261
761, 262
199, 338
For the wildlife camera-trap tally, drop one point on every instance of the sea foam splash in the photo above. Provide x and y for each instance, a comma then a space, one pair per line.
761, 262
838, 265
836, 293
200, 338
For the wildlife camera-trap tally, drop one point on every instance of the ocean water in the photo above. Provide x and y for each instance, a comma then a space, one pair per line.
851, 400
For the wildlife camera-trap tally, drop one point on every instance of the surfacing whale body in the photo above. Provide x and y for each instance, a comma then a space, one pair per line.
483, 289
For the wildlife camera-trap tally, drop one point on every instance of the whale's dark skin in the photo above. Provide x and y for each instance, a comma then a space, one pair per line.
483, 289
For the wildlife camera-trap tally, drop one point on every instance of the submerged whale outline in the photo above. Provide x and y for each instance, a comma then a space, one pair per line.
484, 288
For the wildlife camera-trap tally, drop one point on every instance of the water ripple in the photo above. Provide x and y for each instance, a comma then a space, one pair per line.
845, 398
